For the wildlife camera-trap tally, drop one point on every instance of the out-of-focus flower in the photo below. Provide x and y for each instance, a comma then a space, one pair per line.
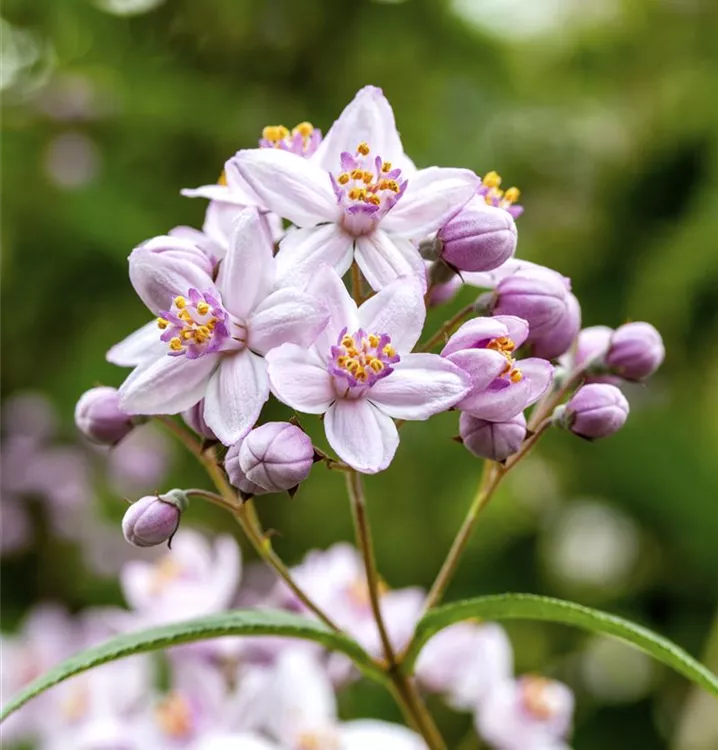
215, 336
154, 519
358, 197
596, 410
139, 464
530, 713
494, 440
99, 417
194, 418
359, 372
501, 387
636, 351
72, 160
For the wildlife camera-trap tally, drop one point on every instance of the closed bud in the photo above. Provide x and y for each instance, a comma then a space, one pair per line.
236, 476
478, 238
99, 417
154, 519
636, 351
596, 410
194, 418
557, 340
494, 440
276, 456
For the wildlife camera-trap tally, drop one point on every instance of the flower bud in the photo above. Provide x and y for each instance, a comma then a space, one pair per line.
154, 519
596, 410
636, 351
194, 418
182, 249
99, 417
494, 440
592, 344
236, 476
558, 339
276, 456
478, 238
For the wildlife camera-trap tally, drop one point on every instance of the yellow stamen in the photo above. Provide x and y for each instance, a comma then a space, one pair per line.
275, 133
202, 308
347, 341
386, 167
373, 340
363, 148
305, 129
343, 178
515, 375
374, 199
176, 344
187, 334
512, 194
222, 179
492, 179
389, 350
180, 302
162, 323
174, 716
376, 364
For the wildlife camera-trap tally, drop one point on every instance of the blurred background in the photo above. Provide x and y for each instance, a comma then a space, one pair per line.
603, 112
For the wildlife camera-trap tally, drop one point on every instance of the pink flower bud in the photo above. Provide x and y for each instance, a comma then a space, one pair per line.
276, 456
593, 343
596, 410
99, 417
494, 440
478, 238
194, 418
636, 351
236, 476
558, 338
154, 519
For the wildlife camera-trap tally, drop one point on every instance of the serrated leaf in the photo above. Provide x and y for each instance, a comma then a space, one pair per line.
237, 623
531, 607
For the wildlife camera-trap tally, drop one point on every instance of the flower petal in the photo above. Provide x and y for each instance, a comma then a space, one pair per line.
431, 198
482, 365
369, 119
158, 277
166, 385
235, 396
398, 310
328, 287
474, 332
497, 404
538, 373
361, 435
247, 273
420, 386
293, 187
303, 251
287, 316
362, 734
300, 379
383, 258
140, 346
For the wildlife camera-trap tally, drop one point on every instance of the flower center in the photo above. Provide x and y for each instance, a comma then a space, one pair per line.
367, 185
362, 359
492, 193
165, 572
194, 326
317, 740
504, 345
75, 706
302, 140
540, 697
174, 716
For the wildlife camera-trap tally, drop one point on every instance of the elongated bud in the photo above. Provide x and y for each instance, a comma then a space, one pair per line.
154, 519
636, 351
494, 440
558, 338
99, 417
194, 418
595, 411
478, 238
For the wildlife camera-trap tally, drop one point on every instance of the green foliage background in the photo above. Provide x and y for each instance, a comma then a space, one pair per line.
608, 122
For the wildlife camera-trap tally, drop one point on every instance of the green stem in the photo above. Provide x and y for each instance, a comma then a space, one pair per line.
447, 329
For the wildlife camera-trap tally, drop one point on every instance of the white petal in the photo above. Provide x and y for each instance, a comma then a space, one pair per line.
398, 310
142, 345
369, 734
300, 379
246, 275
166, 385
293, 187
235, 396
287, 316
420, 386
361, 435
431, 198
328, 287
303, 251
539, 374
368, 118
218, 193
383, 258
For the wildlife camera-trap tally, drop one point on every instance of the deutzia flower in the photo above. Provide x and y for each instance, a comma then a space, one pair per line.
210, 338
358, 197
359, 372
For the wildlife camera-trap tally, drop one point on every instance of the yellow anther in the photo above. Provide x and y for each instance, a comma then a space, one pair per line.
512, 194
386, 167
389, 350
187, 334
347, 341
305, 129
275, 133
363, 148
361, 375
162, 323
202, 308
357, 174
376, 364
180, 302
373, 340
343, 178
368, 177
354, 194
211, 323
174, 716
374, 199
515, 375
222, 179
176, 344
492, 179
342, 361
185, 315
204, 331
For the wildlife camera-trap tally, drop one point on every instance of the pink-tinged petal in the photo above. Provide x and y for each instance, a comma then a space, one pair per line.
431, 198
398, 310
300, 378
502, 401
303, 251
361, 435
482, 365
329, 288
218, 193
420, 386
473, 333
368, 118
246, 275
158, 277
293, 187
538, 373
383, 258
287, 316
363, 734
518, 328
235, 396
166, 385
141, 346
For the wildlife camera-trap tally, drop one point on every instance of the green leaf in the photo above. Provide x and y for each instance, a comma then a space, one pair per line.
531, 607
239, 622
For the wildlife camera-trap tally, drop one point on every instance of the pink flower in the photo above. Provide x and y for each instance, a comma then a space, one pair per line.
357, 197
359, 372
210, 338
